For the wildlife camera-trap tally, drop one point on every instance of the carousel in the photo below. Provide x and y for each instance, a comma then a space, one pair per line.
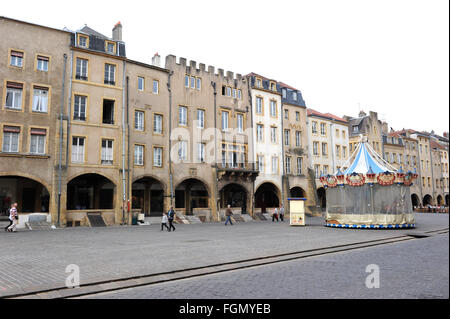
369, 194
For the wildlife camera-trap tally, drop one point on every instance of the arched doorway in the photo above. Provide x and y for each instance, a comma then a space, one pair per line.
234, 195
297, 192
90, 191
191, 193
321, 195
267, 196
439, 200
426, 200
148, 196
30, 195
415, 200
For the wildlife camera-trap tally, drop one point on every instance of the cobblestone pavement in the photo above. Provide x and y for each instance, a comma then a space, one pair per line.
411, 269
37, 260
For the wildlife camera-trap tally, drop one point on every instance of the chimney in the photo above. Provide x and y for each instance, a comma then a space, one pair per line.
117, 32
156, 60
362, 114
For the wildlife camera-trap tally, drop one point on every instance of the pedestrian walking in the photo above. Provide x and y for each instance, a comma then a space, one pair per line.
228, 213
13, 218
170, 217
164, 221
275, 214
281, 213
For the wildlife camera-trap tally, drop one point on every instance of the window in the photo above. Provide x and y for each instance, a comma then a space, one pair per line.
288, 165
11, 139
16, 59
239, 94
40, 99
273, 86
192, 82
78, 149
225, 120
201, 152
83, 41
325, 169
283, 92
234, 93
344, 152
343, 134
199, 83
139, 155
155, 87
259, 132
258, 83
273, 108
316, 148
108, 112
294, 96
200, 118
157, 156
139, 120
157, 123
355, 129
337, 133
287, 137
260, 163
323, 130
259, 105
317, 171
286, 114
110, 47
110, 71
14, 95
240, 122
273, 134
42, 63
186, 81
79, 108
228, 91
182, 151
274, 165
182, 116
37, 141
82, 69
299, 165
324, 149
107, 152
297, 116
314, 127
338, 151
298, 138
141, 83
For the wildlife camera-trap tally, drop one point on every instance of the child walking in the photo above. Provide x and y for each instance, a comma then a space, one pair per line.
164, 221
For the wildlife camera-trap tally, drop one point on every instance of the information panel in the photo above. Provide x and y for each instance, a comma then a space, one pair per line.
297, 211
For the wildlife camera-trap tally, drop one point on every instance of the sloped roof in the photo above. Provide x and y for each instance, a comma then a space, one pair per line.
366, 160
90, 31
284, 85
311, 112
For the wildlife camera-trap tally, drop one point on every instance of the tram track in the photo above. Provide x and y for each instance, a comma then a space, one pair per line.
95, 288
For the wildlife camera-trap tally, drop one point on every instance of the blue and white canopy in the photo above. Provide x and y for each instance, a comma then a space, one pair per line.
366, 160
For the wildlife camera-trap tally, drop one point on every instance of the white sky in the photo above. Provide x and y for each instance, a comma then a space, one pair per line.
391, 56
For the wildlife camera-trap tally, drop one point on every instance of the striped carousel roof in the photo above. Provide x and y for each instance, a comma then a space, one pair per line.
368, 161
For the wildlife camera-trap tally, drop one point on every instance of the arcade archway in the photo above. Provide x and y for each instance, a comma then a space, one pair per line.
297, 192
30, 195
440, 200
234, 195
267, 196
415, 200
426, 200
191, 193
148, 196
321, 195
90, 191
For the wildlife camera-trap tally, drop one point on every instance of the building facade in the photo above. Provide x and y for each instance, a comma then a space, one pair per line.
328, 147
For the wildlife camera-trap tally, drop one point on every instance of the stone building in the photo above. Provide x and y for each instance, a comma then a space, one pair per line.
34, 76
267, 138
297, 181
328, 147
365, 125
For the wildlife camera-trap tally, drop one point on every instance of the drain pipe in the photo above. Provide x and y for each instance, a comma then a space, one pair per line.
61, 132
213, 84
69, 114
128, 140
170, 140
123, 147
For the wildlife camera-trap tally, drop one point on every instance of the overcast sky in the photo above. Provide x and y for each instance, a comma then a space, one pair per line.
391, 56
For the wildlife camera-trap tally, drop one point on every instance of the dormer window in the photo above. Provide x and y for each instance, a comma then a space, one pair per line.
273, 86
110, 47
283, 91
258, 82
83, 41
294, 96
